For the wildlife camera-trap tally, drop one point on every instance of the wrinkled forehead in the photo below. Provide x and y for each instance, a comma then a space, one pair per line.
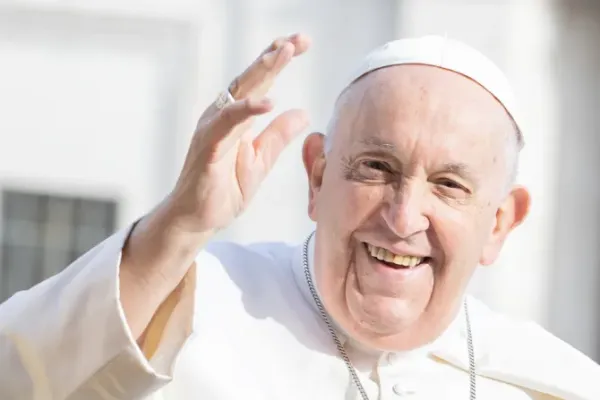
420, 102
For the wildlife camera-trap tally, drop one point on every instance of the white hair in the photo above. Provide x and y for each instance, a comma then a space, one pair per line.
514, 146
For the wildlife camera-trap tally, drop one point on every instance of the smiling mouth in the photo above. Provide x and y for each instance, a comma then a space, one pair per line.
393, 260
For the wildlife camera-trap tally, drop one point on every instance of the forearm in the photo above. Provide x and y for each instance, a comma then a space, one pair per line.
156, 257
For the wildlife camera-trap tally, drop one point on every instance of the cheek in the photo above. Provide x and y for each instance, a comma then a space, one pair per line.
344, 207
457, 235
352, 205
461, 235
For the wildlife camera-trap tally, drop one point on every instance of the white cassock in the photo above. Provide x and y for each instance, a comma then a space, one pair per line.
246, 327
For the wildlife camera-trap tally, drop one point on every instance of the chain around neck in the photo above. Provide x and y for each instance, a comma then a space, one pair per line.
342, 350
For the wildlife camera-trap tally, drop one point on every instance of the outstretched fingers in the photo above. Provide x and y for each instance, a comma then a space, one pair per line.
230, 123
271, 142
258, 78
262, 153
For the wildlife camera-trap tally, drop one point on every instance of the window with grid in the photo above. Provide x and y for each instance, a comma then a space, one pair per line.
42, 234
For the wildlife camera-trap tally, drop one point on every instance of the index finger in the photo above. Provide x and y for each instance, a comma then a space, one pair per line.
258, 78
300, 41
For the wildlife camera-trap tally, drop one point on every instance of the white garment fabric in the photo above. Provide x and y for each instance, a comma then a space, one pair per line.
246, 328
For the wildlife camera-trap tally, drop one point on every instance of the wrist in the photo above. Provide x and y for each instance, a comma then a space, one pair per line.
177, 226
160, 248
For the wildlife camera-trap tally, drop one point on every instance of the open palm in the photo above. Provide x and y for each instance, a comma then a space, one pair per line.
225, 164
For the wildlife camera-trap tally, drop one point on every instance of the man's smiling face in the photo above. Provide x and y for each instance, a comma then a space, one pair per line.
409, 199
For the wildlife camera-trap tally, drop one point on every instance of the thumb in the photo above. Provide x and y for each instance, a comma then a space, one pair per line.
258, 157
269, 144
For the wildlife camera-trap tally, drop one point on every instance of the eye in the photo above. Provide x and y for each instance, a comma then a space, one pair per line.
451, 184
377, 165
370, 171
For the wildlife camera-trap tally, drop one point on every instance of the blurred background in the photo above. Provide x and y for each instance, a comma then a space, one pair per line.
98, 100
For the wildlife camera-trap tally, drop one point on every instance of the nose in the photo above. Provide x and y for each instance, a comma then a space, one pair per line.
404, 210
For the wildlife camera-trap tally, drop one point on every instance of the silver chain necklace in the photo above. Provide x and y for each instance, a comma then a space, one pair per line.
342, 350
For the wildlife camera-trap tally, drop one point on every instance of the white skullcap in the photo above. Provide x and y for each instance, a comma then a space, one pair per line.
448, 54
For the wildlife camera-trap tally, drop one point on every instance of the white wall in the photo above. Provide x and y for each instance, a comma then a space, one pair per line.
89, 106
574, 298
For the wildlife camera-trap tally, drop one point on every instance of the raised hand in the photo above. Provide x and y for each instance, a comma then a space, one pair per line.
225, 163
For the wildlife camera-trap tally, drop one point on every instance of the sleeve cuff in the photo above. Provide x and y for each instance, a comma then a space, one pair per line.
144, 369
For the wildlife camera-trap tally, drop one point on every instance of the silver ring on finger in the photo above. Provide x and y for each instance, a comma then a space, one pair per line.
224, 99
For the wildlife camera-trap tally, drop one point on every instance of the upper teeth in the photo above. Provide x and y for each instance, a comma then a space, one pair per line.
385, 255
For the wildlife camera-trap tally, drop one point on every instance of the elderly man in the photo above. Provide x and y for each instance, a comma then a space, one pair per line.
411, 190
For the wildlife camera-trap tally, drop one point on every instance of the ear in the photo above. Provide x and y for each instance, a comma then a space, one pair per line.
511, 213
313, 156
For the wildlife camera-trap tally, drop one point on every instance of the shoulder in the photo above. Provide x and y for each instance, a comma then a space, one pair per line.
504, 330
248, 287
255, 258
527, 355
252, 267
261, 251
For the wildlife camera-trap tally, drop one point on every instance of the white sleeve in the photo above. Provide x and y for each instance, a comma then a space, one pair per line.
67, 337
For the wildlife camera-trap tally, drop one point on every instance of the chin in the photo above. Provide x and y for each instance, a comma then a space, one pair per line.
379, 315
386, 299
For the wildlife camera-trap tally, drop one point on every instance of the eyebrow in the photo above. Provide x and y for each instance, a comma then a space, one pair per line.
376, 142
